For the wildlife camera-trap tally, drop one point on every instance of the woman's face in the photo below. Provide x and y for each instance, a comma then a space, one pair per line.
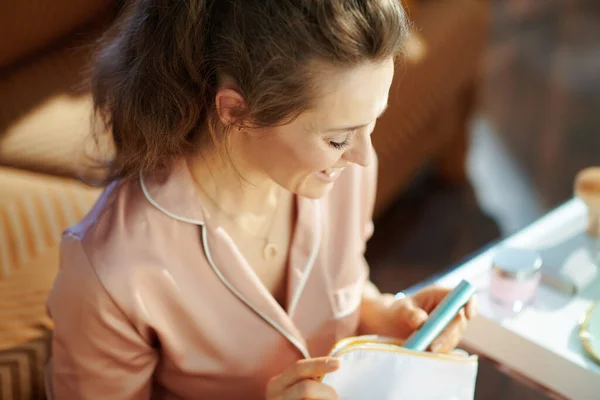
307, 155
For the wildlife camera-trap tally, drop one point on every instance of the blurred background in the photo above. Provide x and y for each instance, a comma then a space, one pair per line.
492, 113
534, 125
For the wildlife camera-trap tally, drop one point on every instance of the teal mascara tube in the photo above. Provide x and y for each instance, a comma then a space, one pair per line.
441, 316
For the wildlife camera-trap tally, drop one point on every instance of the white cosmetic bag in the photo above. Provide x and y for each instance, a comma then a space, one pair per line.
375, 368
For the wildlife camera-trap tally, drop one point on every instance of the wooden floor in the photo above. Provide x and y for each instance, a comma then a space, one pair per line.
538, 124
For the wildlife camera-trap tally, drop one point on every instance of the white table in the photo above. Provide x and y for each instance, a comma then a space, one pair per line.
541, 341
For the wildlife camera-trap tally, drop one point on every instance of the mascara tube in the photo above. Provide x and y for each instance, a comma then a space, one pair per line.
441, 316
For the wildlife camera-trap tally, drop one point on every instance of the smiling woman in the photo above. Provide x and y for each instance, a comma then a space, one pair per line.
226, 256
306, 155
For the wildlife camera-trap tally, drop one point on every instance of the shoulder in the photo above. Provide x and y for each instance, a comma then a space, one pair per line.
114, 241
119, 223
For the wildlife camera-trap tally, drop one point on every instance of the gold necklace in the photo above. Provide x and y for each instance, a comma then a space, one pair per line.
270, 248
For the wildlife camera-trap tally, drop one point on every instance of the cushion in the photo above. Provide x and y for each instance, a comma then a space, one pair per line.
34, 210
45, 113
25, 332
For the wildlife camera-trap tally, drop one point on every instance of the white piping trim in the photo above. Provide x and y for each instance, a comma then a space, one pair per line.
347, 312
311, 261
354, 291
158, 206
229, 286
285, 333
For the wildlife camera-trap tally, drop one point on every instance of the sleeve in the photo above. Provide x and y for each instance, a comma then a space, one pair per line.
96, 351
370, 194
368, 190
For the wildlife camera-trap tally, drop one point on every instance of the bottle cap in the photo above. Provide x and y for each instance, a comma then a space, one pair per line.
517, 264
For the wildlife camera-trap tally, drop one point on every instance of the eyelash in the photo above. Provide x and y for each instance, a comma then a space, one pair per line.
341, 145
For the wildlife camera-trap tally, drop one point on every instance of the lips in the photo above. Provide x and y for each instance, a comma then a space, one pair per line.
330, 174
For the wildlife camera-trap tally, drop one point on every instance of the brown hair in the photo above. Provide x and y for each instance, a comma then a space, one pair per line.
156, 74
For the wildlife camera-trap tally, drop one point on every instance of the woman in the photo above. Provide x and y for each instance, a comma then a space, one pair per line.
225, 258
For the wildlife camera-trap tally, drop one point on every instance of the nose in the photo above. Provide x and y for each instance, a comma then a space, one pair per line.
361, 152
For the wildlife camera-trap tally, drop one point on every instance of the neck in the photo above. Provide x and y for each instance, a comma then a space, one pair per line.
232, 185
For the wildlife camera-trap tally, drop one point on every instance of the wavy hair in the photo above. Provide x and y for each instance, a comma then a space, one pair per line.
157, 70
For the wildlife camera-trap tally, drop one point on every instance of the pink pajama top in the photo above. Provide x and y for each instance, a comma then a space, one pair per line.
154, 301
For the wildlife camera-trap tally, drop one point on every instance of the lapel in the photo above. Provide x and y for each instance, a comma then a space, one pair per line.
304, 249
176, 195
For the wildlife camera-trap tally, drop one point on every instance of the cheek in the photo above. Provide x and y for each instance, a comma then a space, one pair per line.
291, 156
310, 160
297, 156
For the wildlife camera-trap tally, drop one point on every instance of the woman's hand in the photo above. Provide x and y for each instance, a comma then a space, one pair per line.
385, 315
300, 381
410, 312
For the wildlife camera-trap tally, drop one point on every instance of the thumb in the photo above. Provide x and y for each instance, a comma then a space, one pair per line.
410, 315
417, 318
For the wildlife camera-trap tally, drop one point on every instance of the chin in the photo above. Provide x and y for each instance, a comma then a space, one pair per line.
315, 192
310, 187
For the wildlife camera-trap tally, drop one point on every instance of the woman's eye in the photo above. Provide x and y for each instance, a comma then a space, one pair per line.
340, 144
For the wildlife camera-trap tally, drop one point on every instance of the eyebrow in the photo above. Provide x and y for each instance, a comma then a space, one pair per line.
351, 128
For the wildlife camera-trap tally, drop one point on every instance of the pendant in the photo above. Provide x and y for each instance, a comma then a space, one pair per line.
270, 251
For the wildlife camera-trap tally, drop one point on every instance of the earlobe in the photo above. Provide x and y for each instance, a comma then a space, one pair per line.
229, 105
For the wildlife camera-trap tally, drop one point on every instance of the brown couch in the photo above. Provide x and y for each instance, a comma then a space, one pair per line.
44, 125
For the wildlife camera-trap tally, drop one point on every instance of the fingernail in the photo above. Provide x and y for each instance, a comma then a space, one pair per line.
418, 318
333, 362
436, 347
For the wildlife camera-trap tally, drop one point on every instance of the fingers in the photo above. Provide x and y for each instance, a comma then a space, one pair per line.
450, 337
413, 311
310, 389
411, 315
460, 353
471, 308
429, 297
302, 370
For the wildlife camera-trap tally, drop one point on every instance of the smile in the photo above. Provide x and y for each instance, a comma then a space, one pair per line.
329, 174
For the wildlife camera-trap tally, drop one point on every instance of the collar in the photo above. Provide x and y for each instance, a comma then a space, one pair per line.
176, 195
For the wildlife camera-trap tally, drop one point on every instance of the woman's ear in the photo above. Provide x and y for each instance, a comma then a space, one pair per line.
229, 104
